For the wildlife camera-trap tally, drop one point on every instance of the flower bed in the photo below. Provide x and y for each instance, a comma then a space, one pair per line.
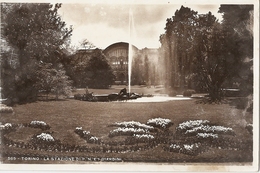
133, 124
190, 149
86, 135
140, 138
5, 109
182, 127
207, 136
210, 129
192, 138
7, 128
161, 123
44, 141
127, 131
39, 124
193, 127
45, 137
202, 131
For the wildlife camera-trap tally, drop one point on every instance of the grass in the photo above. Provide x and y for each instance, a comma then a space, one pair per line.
65, 115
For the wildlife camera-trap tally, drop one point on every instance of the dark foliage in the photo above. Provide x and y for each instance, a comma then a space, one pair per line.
203, 54
99, 72
33, 32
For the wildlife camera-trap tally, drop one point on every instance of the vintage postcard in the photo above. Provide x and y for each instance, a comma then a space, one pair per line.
130, 86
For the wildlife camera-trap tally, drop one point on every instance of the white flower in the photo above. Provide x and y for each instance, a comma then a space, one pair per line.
5, 109
147, 136
2, 127
86, 132
40, 123
93, 138
6, 126
126, 130
207, 135
208, 128
191, 124
133, 124
159, 121
190, 147
45, 137
175, 146
78, 128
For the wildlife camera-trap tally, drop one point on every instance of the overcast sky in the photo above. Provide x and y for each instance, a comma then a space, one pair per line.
104, 24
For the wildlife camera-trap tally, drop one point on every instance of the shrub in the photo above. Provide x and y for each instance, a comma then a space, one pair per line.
249, 128
188, 93
78, 96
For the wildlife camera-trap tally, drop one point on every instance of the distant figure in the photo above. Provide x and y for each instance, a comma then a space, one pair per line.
87, 92
123, 92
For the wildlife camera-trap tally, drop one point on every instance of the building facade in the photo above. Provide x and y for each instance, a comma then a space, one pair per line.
145, 64
117, 56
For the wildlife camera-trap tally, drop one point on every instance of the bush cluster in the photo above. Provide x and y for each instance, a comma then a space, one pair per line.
188, 93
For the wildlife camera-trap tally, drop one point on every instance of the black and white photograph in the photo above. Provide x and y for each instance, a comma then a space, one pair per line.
129, 86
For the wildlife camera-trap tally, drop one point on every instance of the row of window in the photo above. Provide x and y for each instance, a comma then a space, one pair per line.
118, 63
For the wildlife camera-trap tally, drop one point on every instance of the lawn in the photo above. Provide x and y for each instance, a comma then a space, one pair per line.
64, 116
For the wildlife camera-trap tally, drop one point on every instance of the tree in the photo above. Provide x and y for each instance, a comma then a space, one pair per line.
210, 68
99, 72
238, 28
146, 72
222, 49
198, 47
76, 63
137, 77
35, 32
178, 42
86, 44
50, 79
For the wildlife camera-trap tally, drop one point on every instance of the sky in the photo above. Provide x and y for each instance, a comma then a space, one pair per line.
106, 23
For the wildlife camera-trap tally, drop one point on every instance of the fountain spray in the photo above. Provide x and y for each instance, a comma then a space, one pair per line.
130, 51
